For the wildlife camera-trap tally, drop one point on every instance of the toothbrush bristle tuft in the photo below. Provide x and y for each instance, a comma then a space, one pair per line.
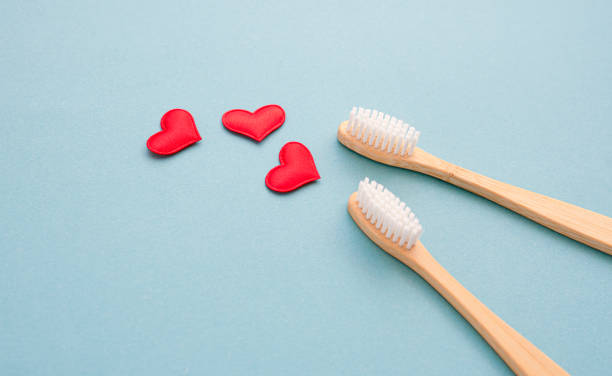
382, 131
390, 215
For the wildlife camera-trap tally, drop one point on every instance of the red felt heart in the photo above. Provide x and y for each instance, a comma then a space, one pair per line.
256, 125
178, 132
296, 169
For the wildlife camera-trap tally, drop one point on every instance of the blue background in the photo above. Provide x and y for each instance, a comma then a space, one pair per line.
115, 262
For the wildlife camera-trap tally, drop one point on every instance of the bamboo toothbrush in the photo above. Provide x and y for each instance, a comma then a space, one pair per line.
395, 229
388, 140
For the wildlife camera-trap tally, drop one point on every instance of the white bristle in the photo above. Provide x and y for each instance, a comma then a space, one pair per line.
381, 131
390, 215
351, 122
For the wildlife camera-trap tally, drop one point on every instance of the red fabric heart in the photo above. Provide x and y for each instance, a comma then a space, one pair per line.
296, 169
256, 125
178, 132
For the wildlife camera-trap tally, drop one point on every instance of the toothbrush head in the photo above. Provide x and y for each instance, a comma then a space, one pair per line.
390, 220
381, 131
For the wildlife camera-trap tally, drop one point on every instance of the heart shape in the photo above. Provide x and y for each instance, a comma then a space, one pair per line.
178, 132
256, 125
296, 169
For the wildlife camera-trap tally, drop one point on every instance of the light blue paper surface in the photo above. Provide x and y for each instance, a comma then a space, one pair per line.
114, 262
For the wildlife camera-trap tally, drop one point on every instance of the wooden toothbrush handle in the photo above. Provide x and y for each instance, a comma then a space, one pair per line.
544, 360
570, 220
519, 354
